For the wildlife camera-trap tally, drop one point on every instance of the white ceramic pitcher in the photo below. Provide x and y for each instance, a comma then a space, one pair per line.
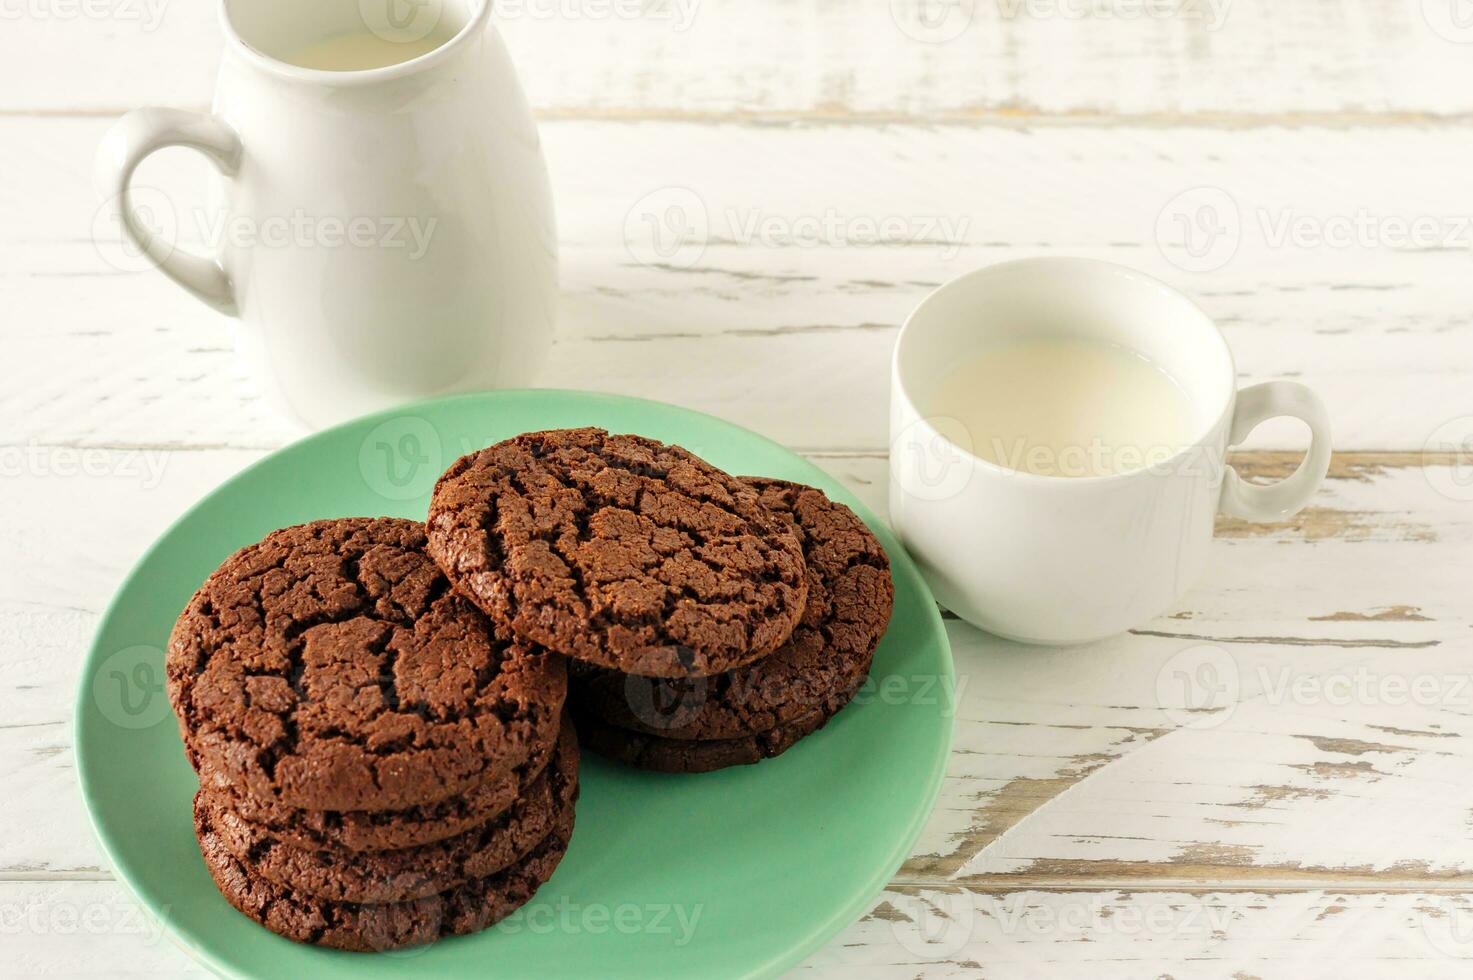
389, 232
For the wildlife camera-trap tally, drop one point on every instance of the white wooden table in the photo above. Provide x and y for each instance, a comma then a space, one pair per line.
1312, 818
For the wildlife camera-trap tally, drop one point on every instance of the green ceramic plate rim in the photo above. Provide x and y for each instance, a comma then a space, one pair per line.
900, 561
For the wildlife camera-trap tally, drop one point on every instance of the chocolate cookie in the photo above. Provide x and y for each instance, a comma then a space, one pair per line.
415, 872
644, 751
850, 596
331, 667
620, 551
377, 927
387, 830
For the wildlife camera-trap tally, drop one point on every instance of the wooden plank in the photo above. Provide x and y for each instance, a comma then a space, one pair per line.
1132, 933
84, 929
1160, 61
92, 929
1080, 764
783, 316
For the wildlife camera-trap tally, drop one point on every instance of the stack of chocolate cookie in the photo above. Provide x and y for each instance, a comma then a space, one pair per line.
712, 621
375, 709
380, 765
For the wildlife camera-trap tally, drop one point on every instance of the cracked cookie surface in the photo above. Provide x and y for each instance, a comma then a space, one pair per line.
645, 751
387, 830
332, 667
377, 927
828, 655
407, 873
619, 551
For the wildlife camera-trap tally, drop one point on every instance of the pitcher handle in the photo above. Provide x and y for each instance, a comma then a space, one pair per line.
135, 136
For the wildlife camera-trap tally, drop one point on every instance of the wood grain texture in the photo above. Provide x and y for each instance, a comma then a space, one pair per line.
1307, 657
1159, 61
964, 932
779, 308
89, 929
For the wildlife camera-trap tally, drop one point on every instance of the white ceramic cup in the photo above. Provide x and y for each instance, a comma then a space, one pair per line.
1060, 560
387, 234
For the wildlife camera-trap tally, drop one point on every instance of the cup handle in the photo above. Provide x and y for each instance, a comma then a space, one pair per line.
1285, 498
135, 136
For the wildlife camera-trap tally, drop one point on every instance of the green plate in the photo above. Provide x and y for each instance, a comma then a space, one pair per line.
739, 873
